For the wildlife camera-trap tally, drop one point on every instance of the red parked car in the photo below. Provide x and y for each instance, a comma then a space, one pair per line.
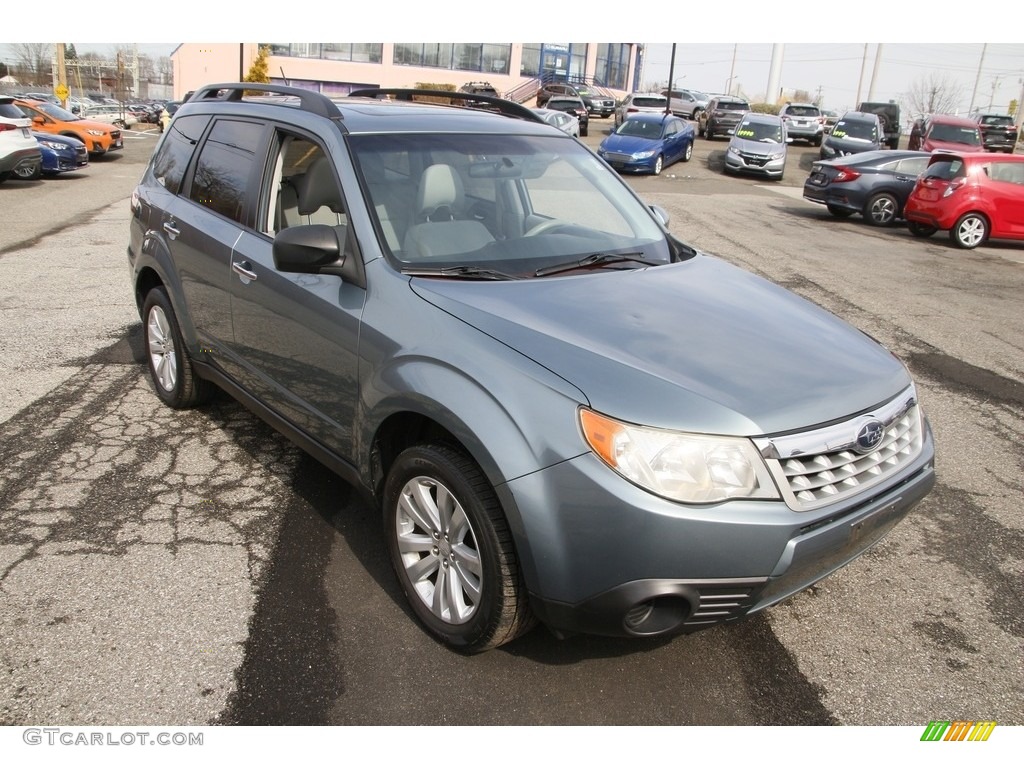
946, 132
975, 195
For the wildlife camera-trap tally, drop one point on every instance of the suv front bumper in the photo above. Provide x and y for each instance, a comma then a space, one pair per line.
607, 558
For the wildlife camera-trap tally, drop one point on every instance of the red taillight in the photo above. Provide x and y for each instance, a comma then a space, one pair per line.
844, 173
954, 185
8, 127
632, 109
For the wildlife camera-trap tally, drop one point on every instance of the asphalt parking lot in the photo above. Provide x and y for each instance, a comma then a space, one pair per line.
195, 568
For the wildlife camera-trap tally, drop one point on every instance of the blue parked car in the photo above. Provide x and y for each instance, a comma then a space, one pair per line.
61, 153
648, 143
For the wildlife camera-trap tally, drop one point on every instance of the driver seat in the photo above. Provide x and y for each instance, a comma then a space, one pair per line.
438, 232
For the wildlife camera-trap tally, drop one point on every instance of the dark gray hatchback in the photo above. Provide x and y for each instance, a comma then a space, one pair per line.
471, 318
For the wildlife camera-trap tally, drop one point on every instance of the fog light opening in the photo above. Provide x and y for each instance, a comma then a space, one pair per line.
664, 613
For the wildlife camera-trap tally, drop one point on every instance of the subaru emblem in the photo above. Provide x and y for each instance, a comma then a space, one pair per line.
869, 436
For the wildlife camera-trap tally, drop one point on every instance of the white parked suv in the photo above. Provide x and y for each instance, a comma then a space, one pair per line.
805, 122
640, 102
20, 155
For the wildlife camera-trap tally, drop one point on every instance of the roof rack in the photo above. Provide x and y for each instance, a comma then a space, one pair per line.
469, 100
310, 101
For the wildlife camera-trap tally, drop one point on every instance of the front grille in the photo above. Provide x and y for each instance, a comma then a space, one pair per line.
115, 135
824, 466
754, 160
617, 157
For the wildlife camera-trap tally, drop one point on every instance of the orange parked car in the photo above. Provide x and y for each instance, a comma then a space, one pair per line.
99, 138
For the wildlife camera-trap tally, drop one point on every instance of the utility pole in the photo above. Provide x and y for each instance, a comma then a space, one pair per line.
874, 73
977, 77
671, 81
860, 80
732, 71
61, 89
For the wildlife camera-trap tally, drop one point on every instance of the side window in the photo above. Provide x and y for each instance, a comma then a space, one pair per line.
224, 168
1009, 172
912, 166
176, 150
306, 189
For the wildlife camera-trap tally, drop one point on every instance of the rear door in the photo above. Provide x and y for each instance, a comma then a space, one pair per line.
1005, 190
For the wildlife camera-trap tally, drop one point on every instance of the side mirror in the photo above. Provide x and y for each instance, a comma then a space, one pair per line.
317, 249
660, 214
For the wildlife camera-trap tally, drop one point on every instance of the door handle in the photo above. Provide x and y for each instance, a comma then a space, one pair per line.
171, 230
244, 270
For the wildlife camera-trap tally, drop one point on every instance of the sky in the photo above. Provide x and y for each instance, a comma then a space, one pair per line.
827, 48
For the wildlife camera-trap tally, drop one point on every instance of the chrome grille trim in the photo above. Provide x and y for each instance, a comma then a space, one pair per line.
823, 466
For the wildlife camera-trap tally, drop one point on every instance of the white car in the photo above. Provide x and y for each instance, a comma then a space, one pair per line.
561, 120
20, 155
640, 102
108, 114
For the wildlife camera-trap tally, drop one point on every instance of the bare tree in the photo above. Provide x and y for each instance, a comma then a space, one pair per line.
34, 60
934, 94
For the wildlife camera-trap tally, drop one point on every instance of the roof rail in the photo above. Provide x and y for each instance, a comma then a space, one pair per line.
310, 101
470, 100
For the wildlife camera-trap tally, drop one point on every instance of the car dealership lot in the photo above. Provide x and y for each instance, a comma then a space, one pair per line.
162, 567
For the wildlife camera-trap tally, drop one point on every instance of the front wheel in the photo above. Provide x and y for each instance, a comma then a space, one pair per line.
659, 163
920, 230
881, 210
170, 365
970, 230
452, 550
688, 153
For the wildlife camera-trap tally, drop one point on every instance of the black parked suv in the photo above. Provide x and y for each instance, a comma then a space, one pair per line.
473, 320
721, 116
998, 131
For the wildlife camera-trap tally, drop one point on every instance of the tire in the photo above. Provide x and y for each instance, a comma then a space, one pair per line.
817, 141
881, 210
25, 174
659, 164
583, 130
688, 153
839, 213
120, 124
708, 133
920, 230
4, 176
168, 360
695, 115
452, 550
970, 231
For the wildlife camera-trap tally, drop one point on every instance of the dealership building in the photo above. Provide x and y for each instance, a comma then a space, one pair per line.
336, 69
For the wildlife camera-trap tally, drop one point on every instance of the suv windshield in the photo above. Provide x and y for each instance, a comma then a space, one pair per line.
58, 113
756, 130
860, 130
997, 120
955, 134
507, 203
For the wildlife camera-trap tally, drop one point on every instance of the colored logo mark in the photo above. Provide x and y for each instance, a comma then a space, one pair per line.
958, 730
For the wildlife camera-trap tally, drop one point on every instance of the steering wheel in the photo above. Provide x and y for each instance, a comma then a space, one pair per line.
544, 226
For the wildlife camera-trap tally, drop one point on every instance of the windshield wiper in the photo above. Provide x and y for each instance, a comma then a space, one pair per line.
475, 273
595, 259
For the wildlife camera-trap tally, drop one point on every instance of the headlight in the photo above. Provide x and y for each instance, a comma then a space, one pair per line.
53, 145
690, 468
644, 155
777, 156
96, 133
733, 151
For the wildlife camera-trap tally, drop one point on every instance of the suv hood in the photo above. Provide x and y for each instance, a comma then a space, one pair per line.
707, 347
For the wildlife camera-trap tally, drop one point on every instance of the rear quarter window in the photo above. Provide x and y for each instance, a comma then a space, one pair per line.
172, 158
946, 170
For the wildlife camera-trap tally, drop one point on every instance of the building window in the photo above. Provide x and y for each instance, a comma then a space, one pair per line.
491, 58
613, 65
358, 52
529, 66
